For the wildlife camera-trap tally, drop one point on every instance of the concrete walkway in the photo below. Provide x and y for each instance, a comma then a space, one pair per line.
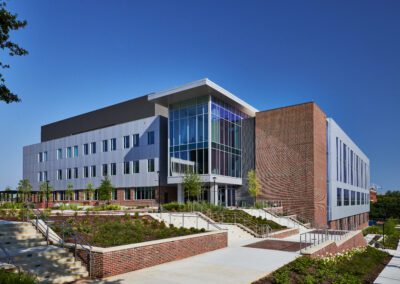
235, 264
391, 273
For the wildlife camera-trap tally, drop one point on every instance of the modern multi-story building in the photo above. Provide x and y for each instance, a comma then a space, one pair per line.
302, 159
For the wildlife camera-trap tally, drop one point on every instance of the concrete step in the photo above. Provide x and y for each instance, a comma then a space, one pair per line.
21, 244
46, 252
6, 237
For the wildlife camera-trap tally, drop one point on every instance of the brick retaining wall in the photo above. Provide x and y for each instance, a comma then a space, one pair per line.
117, 260
284, 233
354, 240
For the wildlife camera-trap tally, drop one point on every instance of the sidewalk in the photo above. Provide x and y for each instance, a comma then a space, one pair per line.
391, 273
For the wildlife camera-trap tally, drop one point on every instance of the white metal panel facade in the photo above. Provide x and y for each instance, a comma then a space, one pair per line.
348, 169
32, 167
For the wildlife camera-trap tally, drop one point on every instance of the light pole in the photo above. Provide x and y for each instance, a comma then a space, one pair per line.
214, 178
47, 194
159, 193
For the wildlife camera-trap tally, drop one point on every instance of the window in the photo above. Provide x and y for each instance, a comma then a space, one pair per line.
76, 151
93, 147
144, 193
45, 177
126, 142
42, 157
86, 149
113, 169
76, 194
353, 198
114, 194
39, 177
86, 172
59, 175
127, 168
135, 140
150, 165
69, 173
346, 197
105, 145
76, 173
150, 137
358, 198
338, 197
135, 167
113, 144
127, 195
59, 154
69, 152
93, 171
104, 170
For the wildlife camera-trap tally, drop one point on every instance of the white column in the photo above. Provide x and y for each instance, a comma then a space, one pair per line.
180, 195
214, 194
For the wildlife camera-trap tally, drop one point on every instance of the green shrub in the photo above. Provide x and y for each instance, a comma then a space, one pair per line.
7, 277
174, 206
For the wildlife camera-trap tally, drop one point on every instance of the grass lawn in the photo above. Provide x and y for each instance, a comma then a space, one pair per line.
356, 266
108, 231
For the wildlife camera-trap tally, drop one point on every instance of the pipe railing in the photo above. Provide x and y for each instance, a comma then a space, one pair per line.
50, 236
316, 237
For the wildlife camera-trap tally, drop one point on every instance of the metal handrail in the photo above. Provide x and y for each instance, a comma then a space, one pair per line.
9, 258
316, 237
78, 240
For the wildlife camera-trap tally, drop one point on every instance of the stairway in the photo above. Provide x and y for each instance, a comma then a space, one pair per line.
28, 250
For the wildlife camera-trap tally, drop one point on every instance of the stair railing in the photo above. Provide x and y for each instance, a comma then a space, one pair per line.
9, 258
44, 228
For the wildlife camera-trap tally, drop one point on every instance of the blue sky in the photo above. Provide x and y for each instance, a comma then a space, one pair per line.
344, 55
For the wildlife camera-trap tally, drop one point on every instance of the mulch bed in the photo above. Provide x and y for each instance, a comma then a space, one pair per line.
277, 245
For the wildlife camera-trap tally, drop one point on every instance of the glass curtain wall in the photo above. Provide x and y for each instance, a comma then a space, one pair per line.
226, 139
188, 135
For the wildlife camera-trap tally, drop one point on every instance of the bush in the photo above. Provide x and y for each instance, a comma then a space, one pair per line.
174, 206
7, 277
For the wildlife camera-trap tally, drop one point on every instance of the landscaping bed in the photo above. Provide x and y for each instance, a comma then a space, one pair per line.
392, 235
9, 277
224, 215
355, 266
108, 231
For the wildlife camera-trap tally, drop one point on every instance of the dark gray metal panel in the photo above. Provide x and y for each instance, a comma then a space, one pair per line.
248, 157
131, 110
163, 150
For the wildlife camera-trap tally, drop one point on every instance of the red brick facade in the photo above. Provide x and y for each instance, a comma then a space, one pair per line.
118, 260
167, 194
291, 160
359, 222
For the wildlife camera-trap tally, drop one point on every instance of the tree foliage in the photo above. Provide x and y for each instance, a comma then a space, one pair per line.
253, 184
9, 22
105, 189
24, 189
45, 190
89, 190
69, 193
387, 206
192, 185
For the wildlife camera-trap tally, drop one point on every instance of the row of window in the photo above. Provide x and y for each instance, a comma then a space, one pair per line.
139, 193
130, 167
350, 168
349, 197
90, 148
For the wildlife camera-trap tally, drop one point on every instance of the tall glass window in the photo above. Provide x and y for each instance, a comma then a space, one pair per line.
188, 133
226, 139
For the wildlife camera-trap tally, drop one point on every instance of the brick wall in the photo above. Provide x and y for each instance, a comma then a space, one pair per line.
355, 241
113, 261
284, 233
291, 159
358, 222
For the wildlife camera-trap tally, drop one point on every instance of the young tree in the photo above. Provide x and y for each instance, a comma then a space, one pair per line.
24, 189
69, 193
8, 192
89, 191
191, 185
45, 191
253, 184
9, 23
105, 189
